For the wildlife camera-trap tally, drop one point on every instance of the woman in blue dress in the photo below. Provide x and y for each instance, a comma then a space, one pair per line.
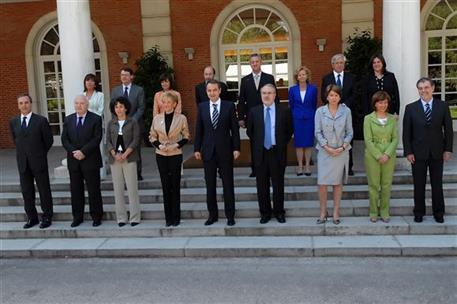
303, 103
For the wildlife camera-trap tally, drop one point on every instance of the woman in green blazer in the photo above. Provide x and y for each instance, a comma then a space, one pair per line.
381, 139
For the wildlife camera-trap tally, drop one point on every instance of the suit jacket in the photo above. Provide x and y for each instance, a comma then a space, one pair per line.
136, 98
33, 143
348, 87
88, 141
222, 141
256, 132
307, 108
390, 86
250, 95
424, 140
179, 130
201, 96
130, 136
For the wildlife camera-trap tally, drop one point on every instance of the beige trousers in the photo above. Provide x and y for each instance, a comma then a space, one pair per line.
125, 172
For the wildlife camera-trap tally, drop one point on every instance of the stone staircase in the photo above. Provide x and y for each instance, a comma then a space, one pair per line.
299, 236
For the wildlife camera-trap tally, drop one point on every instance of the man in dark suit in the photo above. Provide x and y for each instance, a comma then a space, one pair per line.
250, 94
270, 129
200, 89
135, 94
217, 143
81, 136
427, 142
32, 136
347, 83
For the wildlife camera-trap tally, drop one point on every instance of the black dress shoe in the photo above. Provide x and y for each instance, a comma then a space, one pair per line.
230, 222
418, 219
168, 224
45, 224
210, 221
76, 223
140, 177
121, 224
96, 223
264, 219
31, 223
439, 219
252, 174
350, 172
176, 223
281, 219
133, 224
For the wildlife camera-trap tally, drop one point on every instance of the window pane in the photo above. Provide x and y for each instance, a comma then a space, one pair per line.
282, 34
434, 23
434, 57
46, 49
246, 69
281, 53
247, 16
50, 80
96, 46
230, 56
97, 64
51, 93
245, 55
274, 22
235, 25
451, 85
434, 43
434, 71
52, 37
49, 67
441, 9
451, 97
451, 42
261, 16
53, 117
452, 24
266, 54
53, 105
437, 85
255, 35
229, 37
55, 129
451, 56
451, 71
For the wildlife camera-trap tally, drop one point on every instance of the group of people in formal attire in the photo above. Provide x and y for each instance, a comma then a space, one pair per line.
270, 125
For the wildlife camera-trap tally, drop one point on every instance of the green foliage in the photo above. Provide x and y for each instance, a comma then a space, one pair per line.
149, 68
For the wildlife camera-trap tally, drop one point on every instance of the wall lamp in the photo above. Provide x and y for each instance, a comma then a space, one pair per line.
321, 44
190, 53
124, 56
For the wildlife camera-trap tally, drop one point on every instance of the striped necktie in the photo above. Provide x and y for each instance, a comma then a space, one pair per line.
428, 113
215, 116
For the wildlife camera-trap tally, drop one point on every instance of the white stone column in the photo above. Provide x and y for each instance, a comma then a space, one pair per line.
401, 48
76, 48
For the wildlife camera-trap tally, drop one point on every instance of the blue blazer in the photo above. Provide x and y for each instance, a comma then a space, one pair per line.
306, 109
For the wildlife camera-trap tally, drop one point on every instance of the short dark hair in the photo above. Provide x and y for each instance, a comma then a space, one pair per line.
127, 69
24, 95
92, 77
214, 81
210, 66
167, 77
123, 101
425, 79
380, 57
380, 96
255, 55
332, 88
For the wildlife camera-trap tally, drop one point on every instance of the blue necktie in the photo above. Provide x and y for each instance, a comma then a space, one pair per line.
267, 140
126, 93
428, 113
79, 125
338, 80
24, 123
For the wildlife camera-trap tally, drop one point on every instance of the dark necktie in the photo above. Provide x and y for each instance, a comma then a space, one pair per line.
126, 93
428, 113
267, 140
79, 125
24, 123
338, 80
215, 116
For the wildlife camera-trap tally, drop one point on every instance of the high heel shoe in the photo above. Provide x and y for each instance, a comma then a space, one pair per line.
299, 171
322, 220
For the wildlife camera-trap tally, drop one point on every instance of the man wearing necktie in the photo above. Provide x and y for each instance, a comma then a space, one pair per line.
270, 129
217, 143
135, 95
33, 138
250, 94
200, 89
346, 81
81, 136
427, 143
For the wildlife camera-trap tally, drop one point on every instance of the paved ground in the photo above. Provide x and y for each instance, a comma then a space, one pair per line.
247, 280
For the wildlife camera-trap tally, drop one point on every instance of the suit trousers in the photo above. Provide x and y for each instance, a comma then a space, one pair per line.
139, 162
379, 185
270, 169
435, 167
170, 176
92, 180
225, 167
28, 193
126, 173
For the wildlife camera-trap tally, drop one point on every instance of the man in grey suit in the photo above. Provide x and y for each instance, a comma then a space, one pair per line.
135, 95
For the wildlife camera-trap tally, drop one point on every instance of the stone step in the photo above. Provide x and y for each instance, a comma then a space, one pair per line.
229, 246
244, 209
400, 177
193, 195
297, 226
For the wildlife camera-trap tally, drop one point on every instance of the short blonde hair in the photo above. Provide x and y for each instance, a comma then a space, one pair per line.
302, 68
170, 95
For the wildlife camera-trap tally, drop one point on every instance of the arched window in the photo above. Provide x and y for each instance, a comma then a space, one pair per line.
441, 46
255, 29
50, 77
